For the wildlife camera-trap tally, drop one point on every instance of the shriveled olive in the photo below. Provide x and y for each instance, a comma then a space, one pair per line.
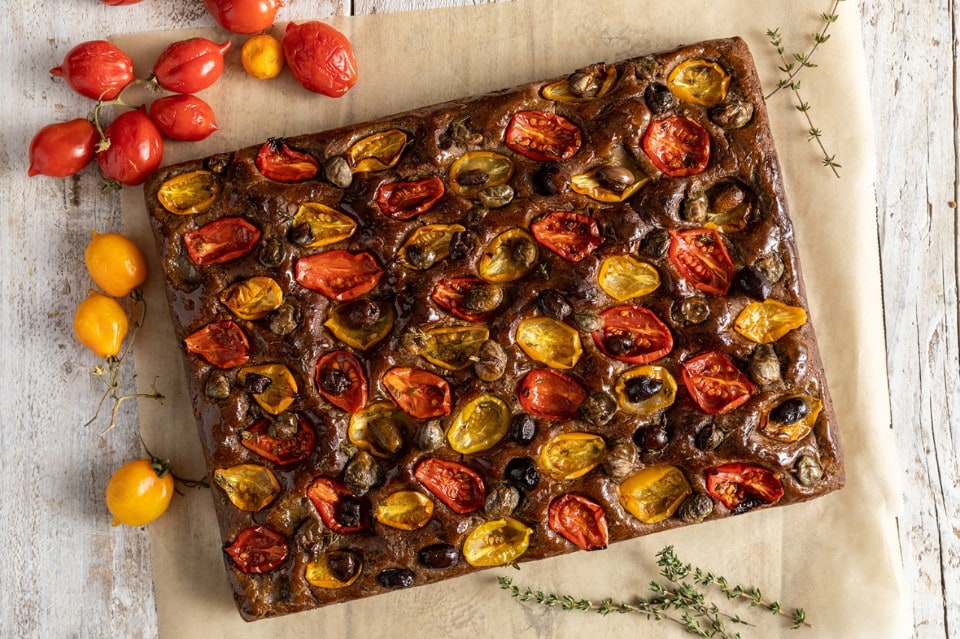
439, 556
494, 197
362, 313
710, 437
385, 434
646, 68
772, 266
641, 387
550, 179
790, 410
587, 321
217, 386
334, 381
523, 429
285, 426
255, 383
695, 508
753, 283
501, 501
523, 252
694, 310
652, 438
429, 437
219, 163
727, 197
337, 171
285, 319
472, 177
483, 299
271, 251
584, 84
655, 243
462, 244
522, 473
734, 114
764, 365
461, 131
599, 408
343, 564
362, 473
554, 304
491, 361
807, 470
420, 257
300, 234
659, 99
396, 578
620, 460
695, 207
183, 269
349, 511
615, 178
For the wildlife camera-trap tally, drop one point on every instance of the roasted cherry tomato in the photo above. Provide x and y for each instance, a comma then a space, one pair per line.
380, 429
405, 200
135, 149
624, 277
190, 66
579, 519
258, 549
699, 81
378, 151
496, 542
549, 342
222, 240
340, 510
453, 347
404, 510
338, 274
654, 493
96, 69
334, 569
677, 145
541, 136
320, 58
480, 424
341, 381
551, 394
633, 334
189, 193
222, 344
100, 324
62, 149
714, 383
115, 263
457, 296
701, 258
361, 323
253, 298
262, 56
767, 321
419, 393
249, 487
572, 236
741, 487
456, 485
139, 492
281, 448
278, 161
183, 117
243, 16
571, 455
272, 386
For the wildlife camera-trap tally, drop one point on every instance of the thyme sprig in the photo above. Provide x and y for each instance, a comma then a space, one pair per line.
791, 68
678, 600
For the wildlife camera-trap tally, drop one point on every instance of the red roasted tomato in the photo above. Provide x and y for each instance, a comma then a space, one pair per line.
456, 485
541, 136
341, 381
715, 384
320, 58
282, 451
96, 69
452, 294
633, 334
62, 149
405, 200
741, 487
190, 66
579, 519
338, 274
551, 394
572, 236
243, 16
340, 510
678, 146
701, 258
222, 344
135, 150
183, 117
417, 392
222, 240
258, 549
277, 161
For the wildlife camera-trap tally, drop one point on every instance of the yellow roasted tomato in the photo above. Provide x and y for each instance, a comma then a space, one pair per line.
791, 418
479, 425
334, 569
699, 81
769, 320
404, 510
272, 386
319, 225
624, 277
496, 542
654, 493
571, 455
549, 342
189, 193
377, 152
646, 390
250, 487
254, 298
510, 256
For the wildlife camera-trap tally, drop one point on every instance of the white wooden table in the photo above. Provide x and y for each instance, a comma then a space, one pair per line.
65, 573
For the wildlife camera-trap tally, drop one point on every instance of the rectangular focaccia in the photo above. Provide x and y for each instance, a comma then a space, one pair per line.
498, 329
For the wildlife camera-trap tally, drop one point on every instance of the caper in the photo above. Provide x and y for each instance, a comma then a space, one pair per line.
386, 435
494, 197
523, 429
472, 177
483, 299
429, 437
790, 410
217, 386
183, 269
501, 501
285, 426
462, 244
587, 321
256, 383
599, 408
694, 310
695, 207
334, 381
219, 163
523, 252
807, 470
753, 283
396, 578
491, 361
285, 319
362, 313
522, 473
642, 387
343, 564
420, 257
460, 131
439, 556
734, 114
772, 266
620, 460
271, 251
337, 171
710, 437
412, 343
584, 84
655, 243
659, 99
764, 365
615, 178
349, 511
362, 473
695, 508
549, 179
652, 438
646, 68
300, 234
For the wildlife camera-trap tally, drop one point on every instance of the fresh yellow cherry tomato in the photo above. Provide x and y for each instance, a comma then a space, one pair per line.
100, 324
262, 56
139, 492
115, 263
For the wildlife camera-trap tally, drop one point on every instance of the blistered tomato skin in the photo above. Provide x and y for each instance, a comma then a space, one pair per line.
222, 240
190, 66
222, 344
183, 117
96, 69
63, 148
135, 149
320, 58
243, 16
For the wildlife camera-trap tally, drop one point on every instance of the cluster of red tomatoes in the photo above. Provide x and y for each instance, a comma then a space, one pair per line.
130, 148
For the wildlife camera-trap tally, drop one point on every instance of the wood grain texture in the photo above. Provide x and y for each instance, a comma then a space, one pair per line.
67, 574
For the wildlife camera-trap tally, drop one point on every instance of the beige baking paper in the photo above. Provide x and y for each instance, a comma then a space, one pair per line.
836, 556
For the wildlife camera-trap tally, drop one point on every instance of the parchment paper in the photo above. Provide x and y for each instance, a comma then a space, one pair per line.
836, 556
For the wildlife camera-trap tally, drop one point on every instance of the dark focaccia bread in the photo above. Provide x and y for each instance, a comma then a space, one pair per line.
495, 330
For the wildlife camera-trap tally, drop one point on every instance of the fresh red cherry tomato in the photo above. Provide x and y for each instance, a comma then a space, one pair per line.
419, 393
183, 117
452, 295
222, 344
320, 58
338, 274
701, 258
276, 160
258, 549
572, 236
579, 519
551, 394
222, 240
633, 334
678, 146
243, 16
406, 200
741, 487
62, 149
341, 381
456, 485
715, 384
96, 69
190, 66
542, 136
340, 510
135, 149
281, 450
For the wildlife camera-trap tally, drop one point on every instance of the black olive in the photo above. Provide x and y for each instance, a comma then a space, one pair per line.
659, 98
396, 578
554, 304
429, 437
651, 438
655, 243
523, 429
790, 410
343, 564
439, 556
618, 344
462, 244
599, 408
334, 381
255, 383
348, 511
300, 234
753, 283
748, 503
473, 177
549, 179
522, 473
615, 178
641, 387
362, 313
710, 437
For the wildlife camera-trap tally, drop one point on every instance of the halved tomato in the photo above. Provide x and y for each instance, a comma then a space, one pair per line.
579, 519
701, 258
341, 380
258, 549
633, 334
276, 160
677, 145
456, 485
282, 451
338, 274
542, 136
405, 200
222, 344
452, 295
419, 393
551, 394
572, 236
741, 487
222, 240
340, 510
715, 384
